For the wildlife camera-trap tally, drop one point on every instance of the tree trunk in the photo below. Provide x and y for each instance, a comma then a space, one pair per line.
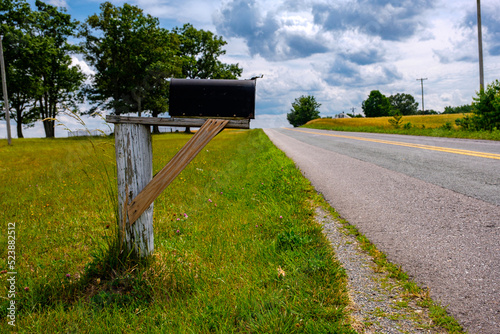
134, 162
188, 130
19, 120
19, 129
48, 126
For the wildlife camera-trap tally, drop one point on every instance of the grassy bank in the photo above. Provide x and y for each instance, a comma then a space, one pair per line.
237, 248
419, 125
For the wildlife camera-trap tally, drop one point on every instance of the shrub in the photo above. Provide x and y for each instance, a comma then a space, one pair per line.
396, 120
486, 108
447, 126
407, 126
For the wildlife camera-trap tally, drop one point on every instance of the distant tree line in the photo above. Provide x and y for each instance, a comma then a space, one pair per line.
465, 109
133, 59
378, 105
482, 114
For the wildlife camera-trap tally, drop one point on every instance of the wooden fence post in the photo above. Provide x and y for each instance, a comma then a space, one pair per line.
134, 162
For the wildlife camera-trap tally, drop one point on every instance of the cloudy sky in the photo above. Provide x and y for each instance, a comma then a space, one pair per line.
337, 50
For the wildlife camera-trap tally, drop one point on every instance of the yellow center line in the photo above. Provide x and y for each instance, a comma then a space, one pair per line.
421, 146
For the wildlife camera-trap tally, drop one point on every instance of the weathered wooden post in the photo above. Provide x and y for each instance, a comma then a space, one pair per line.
209, 104
134, 162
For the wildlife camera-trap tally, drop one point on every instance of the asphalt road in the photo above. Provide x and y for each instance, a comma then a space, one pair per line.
432, 205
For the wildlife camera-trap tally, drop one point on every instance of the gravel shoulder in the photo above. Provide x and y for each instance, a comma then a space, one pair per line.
378, 301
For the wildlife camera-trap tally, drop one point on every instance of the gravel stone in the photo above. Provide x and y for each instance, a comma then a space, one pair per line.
377, 301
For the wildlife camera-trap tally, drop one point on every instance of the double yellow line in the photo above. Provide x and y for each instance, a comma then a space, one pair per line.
424, 147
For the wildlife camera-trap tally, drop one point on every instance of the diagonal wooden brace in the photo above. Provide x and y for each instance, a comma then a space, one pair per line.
153, 189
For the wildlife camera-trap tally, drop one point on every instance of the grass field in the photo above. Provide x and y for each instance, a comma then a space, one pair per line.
442, 125
237, 248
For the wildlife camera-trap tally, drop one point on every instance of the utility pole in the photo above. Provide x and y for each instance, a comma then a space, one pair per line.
422, 83
5, 97
480, 46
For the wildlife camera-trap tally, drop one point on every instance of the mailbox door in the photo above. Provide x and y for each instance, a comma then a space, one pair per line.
212, 98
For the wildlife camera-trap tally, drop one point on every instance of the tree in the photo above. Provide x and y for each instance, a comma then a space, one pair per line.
304, 109
200, 51
465, 109
59, 82
133, 58
405, 103
486, 108
40, 72
376, 105
15, 18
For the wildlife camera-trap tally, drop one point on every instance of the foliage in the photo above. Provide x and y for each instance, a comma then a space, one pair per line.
133, 58
486, 108
427, 112
447, 126
376, 105
248, 256
200, 51
407, 126
37, 47
58, 78
396, 120
466, 123
304, 109
405, 103
465, 109
21, 84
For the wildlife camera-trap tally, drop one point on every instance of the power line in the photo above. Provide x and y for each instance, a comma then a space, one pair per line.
422, 83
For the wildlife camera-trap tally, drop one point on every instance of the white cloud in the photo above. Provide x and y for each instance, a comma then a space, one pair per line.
58, 3
84, 67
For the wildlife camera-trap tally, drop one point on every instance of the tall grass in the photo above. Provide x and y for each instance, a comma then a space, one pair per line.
237, 248
442, 125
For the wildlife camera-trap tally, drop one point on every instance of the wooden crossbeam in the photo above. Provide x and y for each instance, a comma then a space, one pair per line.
175, 122
143, 200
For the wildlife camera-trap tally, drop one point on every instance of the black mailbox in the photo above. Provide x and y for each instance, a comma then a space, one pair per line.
207, 98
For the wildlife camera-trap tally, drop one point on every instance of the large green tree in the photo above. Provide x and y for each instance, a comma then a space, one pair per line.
200, 51
15, 18
40, 77
304, 109
59, 81
133, 58
404, 103
376, 105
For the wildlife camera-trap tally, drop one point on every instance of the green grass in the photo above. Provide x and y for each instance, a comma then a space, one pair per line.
442, 125
237, 248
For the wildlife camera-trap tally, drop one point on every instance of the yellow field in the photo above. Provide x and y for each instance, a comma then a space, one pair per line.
429, 121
